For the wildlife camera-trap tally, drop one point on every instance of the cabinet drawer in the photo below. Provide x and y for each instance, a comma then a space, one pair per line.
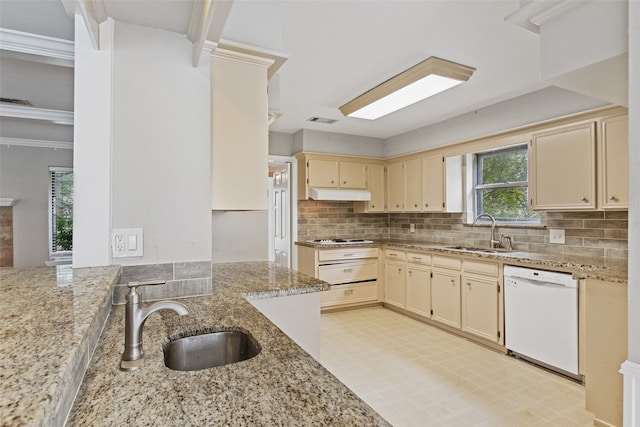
348, 294
348, 253
394, 254
485, 268
418, 258
348, 271
446, 262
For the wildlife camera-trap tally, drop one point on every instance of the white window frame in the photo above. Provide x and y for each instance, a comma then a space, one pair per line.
476, 187
55, 255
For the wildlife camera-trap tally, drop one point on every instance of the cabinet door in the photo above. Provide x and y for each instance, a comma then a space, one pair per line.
614, 162
353, 175
375, 184
433, 184
480, 306
564, 168
323, 173
412, 185
418, 287
445, 297
394, 187
394, 284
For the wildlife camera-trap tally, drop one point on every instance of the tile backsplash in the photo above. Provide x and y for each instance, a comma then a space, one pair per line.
593, 234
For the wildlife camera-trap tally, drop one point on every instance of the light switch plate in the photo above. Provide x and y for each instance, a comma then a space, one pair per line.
556, 236
126, 242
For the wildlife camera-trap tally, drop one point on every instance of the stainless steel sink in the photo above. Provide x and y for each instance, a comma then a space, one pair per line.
210, 350
472, 249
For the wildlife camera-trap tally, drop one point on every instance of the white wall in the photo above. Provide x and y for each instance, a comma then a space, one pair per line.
240, 236
24, 175
542, 105
161, 144
338, 143
92, 147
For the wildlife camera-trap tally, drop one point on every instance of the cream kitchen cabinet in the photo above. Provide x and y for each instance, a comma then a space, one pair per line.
480, 300
376, 186
613, 162
418, 284
445, 290
336, 174
562, 174
433, 183
322, 173
394, 187
412, 185
394, 278
352, 273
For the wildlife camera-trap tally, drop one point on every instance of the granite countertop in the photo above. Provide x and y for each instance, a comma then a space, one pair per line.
581, 267
281, 386
50, 321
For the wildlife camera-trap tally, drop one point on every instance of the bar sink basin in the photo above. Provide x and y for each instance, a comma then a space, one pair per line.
209, 350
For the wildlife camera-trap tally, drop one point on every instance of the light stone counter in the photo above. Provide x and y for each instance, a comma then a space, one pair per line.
581, 267
281, 386
50, 322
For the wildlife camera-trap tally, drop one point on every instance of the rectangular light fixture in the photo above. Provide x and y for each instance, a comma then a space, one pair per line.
431, 76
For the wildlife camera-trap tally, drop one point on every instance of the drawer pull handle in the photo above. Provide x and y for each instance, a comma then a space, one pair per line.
393, 254
348, 255
347, 270
348, 291
417, 258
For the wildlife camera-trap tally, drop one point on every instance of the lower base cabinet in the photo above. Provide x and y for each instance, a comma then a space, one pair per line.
479, 302
445, 297
418, 298
394, 284
353, 293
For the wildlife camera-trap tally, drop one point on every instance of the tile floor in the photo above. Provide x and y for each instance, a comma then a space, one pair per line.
417, 375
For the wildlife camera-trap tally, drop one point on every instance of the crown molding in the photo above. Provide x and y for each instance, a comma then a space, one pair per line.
277, 59
537, 12
58, 117
243, 57
37, 143
59, 51
7, 201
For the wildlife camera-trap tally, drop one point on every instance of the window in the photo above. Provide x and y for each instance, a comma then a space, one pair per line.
60, 212
501, 185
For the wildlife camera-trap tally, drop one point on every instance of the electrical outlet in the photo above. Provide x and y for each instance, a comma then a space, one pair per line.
119, 245
556, 236
412, 228
126, 242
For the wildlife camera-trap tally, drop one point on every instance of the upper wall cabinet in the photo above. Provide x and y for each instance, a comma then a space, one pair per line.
327, 171
562, 172
613, 162
433, 183
239, 131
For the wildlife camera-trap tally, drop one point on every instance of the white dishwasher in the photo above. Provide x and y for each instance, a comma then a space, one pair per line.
541, 317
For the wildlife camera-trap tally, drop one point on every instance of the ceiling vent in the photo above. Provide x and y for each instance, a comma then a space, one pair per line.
15, 101
321, 120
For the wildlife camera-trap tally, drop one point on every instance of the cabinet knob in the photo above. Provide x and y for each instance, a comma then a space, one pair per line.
612, 198
397, 206
426, 205
584, 199
344, 182
415, 206
399, 270
332, 181
373, 206
468, 284
453, 281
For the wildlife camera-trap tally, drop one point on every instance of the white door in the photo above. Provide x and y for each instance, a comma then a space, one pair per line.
280, 215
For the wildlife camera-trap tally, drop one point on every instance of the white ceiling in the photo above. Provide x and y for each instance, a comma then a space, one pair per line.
337, 50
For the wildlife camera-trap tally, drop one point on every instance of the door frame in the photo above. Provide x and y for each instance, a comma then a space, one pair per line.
293, 205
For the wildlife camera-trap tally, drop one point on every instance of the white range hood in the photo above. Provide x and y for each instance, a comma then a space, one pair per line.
342, 194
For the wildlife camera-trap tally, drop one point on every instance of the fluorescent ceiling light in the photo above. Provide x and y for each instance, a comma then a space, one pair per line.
431, 76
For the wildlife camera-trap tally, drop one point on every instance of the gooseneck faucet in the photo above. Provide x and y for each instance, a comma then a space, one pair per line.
493, 243
134, 318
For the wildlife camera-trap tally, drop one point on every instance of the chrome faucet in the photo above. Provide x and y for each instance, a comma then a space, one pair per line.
493, 243
135, 316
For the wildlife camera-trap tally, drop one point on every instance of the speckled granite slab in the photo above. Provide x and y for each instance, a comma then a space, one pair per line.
50, 321
281, 386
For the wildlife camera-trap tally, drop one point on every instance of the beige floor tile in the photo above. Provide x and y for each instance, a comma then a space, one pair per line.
418, 375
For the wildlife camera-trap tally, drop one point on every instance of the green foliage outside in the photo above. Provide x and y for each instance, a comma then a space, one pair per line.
501, 168
64, 213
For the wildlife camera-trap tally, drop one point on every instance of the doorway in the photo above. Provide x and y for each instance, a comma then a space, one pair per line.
283, 218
